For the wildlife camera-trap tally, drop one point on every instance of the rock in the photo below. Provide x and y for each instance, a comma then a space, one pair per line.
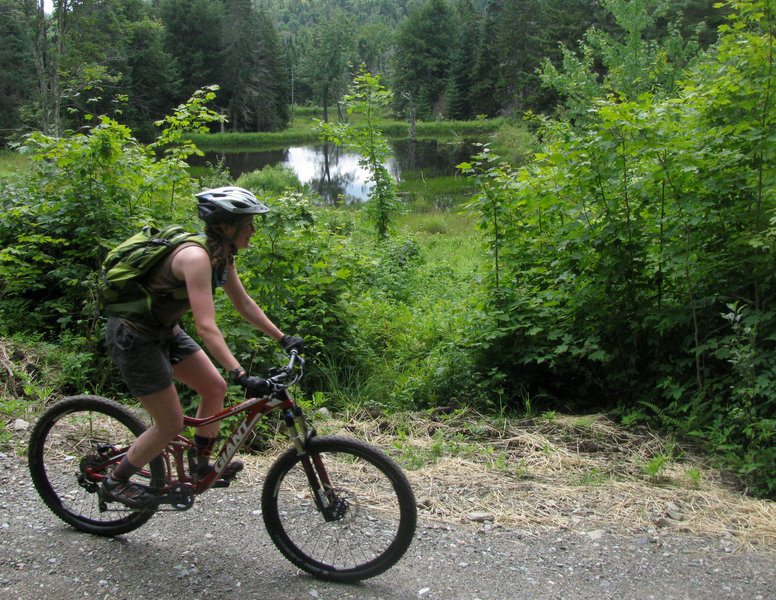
20, 425
596, 534
479, 517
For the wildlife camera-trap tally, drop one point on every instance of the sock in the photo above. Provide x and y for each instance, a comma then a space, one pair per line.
124, 470
204, 449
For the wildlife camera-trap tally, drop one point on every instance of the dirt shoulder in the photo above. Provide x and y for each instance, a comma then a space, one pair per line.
583, 474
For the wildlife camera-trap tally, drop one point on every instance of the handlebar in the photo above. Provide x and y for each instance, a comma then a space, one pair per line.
278, 376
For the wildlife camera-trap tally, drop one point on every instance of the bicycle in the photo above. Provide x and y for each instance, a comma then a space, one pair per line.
336, 507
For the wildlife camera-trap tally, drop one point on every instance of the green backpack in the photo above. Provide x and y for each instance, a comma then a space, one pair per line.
121, 290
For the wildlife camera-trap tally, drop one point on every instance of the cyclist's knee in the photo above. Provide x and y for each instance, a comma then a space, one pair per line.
213, 389
171, 427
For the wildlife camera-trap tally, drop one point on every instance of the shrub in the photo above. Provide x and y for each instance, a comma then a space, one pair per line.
271, 179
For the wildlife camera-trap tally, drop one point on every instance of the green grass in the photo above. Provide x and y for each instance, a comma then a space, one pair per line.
432, 194
302, 131
12, 162
456, 228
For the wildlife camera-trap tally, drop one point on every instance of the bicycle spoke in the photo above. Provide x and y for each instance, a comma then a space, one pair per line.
74, 438
367, 523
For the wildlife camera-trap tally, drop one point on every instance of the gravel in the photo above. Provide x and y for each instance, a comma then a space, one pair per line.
219, 549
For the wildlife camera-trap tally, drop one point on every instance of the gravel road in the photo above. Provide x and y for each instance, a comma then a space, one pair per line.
219, 549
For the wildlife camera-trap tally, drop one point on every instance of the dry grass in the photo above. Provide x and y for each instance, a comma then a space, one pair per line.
575, 473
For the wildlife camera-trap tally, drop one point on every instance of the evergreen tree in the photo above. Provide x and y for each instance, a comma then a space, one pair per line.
329, 52
458, 101
151, 77
17, 69
194, 39
254, 76
423, 57
482, 95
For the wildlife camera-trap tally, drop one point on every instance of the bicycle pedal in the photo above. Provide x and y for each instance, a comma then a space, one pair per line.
222, 483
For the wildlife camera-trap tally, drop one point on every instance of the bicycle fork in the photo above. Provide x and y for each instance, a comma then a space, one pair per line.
331, 506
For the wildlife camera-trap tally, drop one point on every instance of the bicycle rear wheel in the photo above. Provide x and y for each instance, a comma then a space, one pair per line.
365, 519
74, 444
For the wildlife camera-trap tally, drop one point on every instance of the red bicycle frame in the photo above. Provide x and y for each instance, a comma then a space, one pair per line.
256, 409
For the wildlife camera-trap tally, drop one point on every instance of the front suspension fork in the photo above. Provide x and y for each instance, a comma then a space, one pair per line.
329, 505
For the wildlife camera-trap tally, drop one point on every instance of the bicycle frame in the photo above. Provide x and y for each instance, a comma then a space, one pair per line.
256, 408
181, 486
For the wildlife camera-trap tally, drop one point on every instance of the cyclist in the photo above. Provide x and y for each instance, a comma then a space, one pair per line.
150, 357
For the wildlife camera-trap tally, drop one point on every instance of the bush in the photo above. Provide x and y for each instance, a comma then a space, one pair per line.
271, 180
615, 252
84, 193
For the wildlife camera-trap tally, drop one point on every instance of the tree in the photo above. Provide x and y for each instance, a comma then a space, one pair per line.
194, 39
635, 258
482, 95
253, 73
461, 82
17, 68
423, 56
115, 60
367, 98
330, 51
46, 38
624, 62
375, 42
151, 79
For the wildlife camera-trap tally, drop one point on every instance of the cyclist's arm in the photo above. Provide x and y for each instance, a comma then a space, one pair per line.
247, 307
193, 266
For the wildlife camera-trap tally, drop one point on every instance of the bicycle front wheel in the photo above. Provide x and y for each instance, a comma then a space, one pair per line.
359, 523
76, 443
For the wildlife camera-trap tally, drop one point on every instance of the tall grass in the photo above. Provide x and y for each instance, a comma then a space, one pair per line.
12, 162
410, 309
431, 194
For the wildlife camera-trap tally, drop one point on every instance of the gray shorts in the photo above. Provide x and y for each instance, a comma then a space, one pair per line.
146, 364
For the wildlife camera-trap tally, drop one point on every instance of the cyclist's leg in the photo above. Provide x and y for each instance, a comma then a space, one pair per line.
165, 408
144, 363
198, 372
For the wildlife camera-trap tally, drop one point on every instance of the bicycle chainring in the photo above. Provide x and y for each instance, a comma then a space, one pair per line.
179, 497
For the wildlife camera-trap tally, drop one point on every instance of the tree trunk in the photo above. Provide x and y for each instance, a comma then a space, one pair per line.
408, 96
47, 52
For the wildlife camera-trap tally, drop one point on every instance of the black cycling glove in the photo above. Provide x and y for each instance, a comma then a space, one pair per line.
291, 342
254, 386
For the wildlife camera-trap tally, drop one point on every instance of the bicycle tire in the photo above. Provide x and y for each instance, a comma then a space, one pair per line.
377, 524
82, 431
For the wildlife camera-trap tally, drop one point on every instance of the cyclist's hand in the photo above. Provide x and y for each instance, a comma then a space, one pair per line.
254, 386
291, 342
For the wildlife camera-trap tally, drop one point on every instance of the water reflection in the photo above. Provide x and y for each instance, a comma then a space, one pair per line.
330, 170
334, 172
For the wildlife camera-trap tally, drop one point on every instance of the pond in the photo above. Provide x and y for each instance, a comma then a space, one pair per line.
334, 172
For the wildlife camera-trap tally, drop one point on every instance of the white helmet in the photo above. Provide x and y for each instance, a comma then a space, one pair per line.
226, 204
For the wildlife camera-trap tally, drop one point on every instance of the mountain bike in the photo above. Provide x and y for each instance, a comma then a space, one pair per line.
334, 506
